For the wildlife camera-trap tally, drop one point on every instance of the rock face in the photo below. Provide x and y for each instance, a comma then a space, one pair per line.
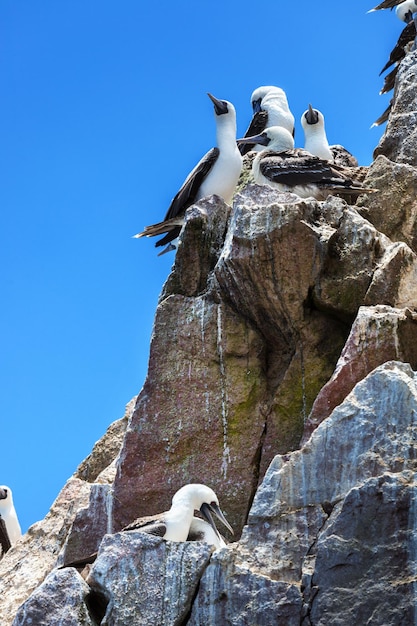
400, 139
281, 374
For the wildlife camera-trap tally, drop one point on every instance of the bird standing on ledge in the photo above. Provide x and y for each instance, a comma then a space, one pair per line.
217, 173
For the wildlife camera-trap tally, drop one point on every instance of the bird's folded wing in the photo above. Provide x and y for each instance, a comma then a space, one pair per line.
387, 4
288, 169
152, 524
187, 194
399, 51
4, 536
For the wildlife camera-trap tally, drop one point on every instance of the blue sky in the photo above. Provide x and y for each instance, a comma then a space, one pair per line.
103, 112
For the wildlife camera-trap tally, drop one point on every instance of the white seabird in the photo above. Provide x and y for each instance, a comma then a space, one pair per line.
10, 530
405, 10
216, 173
270, 108
175, 524
297, 171
315, 138
179, 523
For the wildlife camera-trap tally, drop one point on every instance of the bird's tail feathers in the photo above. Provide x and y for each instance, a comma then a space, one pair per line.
161, 227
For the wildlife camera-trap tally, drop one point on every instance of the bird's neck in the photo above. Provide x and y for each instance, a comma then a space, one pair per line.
226, 133
178, 521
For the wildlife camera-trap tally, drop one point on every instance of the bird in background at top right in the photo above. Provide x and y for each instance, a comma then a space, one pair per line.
406, 12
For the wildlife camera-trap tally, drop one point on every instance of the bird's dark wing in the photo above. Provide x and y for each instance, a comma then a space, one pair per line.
258, 124
152, 524
290, 168
389, 81
407, 36
4, 536
187, 194
387, 4
384, 116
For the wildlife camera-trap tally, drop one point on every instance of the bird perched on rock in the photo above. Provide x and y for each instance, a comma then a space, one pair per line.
315, 138
270, 108
297, 171
216, 173
175, 524
10, 530
179, 522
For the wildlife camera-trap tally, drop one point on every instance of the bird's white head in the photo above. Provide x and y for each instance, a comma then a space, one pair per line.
260, 94
274, 138
405, 10
222, 107
6, 498
195, 494
312, 118
201, 498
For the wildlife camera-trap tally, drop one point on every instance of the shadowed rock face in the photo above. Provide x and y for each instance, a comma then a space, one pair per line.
281, 374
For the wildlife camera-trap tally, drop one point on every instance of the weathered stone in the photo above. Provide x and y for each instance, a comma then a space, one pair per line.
199, 248
147, 580
230, 593
61, 599
379, 334
320, 517
27, 563
198, 417
372, 432
399, 141
393, 209
89, 526
105, 450
365, 564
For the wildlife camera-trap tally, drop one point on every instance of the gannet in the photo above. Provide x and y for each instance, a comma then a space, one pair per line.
315, 139
270, 108
405, 10
10, 530
175, 523
216, 173
179, 523
298, 171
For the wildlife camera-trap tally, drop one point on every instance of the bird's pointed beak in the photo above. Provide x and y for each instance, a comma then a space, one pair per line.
312, 117
206, 511
262, 139
220, 106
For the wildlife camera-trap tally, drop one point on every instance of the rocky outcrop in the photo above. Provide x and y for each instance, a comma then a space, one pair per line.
399, 141
280, 373
330, 539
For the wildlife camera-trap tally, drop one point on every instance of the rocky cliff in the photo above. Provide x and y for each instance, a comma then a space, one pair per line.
281, 373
